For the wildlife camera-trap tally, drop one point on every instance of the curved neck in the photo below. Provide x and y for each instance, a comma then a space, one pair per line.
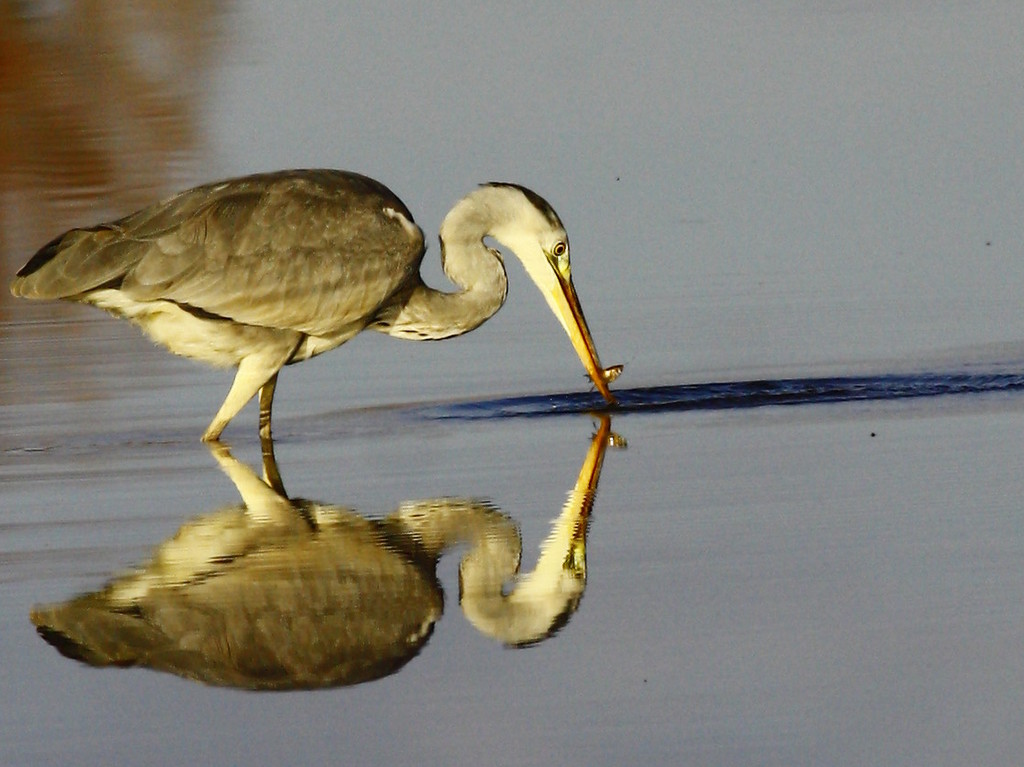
475, 269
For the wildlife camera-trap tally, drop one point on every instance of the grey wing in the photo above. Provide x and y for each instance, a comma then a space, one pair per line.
82, 260
312, 251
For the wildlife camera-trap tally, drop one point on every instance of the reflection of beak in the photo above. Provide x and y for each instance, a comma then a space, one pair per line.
566, 305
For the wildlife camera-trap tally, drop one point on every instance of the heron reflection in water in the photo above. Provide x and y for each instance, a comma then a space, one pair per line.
272, 269
280, 594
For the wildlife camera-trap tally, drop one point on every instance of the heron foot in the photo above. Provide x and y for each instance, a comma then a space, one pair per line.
212, 433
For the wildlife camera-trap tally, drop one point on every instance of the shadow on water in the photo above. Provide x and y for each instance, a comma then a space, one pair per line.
733, 395
281, 594
727, 395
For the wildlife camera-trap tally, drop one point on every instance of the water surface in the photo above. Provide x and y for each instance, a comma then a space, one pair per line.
798, 228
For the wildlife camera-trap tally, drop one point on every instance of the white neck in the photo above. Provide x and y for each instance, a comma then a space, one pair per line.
478, 271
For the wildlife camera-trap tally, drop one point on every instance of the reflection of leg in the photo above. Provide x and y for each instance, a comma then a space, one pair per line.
271, 474
262, 501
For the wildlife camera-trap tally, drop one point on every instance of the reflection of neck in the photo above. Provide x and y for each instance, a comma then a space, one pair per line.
536, 603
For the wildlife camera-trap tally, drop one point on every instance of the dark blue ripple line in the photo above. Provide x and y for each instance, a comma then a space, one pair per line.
730, 395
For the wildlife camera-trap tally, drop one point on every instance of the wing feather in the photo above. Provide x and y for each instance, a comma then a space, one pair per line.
312, 251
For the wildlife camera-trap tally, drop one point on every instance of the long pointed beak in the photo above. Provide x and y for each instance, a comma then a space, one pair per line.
566, 305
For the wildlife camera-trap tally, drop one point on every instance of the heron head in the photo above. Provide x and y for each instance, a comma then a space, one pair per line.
527, 225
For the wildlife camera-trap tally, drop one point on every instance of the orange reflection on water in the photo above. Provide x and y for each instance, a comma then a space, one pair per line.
101, 106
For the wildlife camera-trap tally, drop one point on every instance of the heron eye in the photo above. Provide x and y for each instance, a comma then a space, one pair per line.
560, 249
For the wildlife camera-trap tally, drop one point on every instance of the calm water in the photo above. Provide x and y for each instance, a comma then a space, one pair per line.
797, 541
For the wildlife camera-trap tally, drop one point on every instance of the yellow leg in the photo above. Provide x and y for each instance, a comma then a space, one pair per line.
266, 402
256, 373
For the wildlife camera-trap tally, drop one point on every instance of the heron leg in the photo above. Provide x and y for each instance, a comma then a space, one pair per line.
266, 402
255, 373
271, 474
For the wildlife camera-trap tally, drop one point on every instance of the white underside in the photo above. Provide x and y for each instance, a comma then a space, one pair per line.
218, 342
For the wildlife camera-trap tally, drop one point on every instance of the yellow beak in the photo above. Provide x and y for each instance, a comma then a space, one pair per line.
566, 305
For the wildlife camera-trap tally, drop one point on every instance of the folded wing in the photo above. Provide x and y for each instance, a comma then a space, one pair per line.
310, 251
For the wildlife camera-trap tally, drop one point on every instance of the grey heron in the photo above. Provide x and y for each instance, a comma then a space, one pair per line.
271, 269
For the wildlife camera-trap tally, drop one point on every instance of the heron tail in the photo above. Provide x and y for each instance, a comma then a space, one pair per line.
73, 263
